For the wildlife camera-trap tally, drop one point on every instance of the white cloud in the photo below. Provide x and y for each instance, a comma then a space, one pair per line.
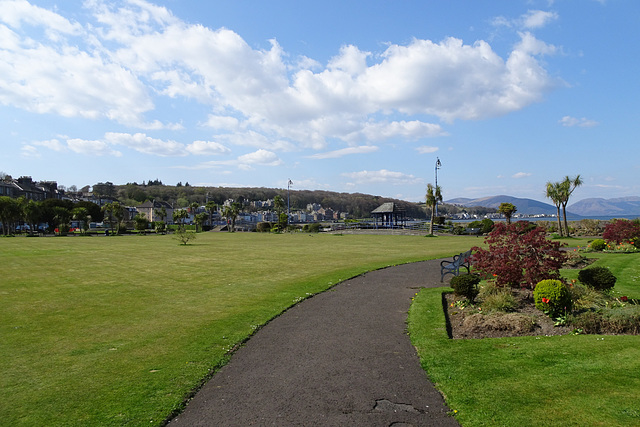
207, 148
245, 162
345, 152
135, 54
15, 13
382, 176
406, 130
569, 121
52, 144
521, 175
538, 18
425, 149
147, 145
533, 19
222, 122
29, 151
92, 148
260, 157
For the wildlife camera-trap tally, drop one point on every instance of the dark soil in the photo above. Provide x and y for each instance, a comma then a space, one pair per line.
471, 322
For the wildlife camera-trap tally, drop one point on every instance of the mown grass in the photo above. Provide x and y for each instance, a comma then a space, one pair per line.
571, 380
118, 330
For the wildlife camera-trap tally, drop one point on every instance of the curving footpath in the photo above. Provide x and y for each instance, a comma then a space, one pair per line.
342, 357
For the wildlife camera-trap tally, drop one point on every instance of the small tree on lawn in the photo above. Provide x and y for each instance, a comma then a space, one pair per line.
184, 236
518, 254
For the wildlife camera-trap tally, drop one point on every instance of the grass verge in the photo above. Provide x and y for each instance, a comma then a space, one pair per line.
118, 330
580, 380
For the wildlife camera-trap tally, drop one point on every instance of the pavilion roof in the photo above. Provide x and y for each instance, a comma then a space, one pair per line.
389, 207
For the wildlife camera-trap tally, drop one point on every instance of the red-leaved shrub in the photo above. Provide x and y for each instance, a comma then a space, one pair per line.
622, 231
518, 254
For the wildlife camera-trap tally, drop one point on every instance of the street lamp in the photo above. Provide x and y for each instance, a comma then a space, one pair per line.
289, 184
438, 166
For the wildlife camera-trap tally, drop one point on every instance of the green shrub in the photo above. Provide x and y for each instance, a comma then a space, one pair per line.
590, 322
489, 288
312, 228
598, 245
624, 320
263, 227
502, 301
584, 297
466, 285
599, 278
618, 320
552, 297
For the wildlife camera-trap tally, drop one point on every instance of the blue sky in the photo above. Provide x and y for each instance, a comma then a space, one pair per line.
336, 95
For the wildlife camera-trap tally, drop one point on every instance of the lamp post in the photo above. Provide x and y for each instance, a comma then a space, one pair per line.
438, 166
289, 184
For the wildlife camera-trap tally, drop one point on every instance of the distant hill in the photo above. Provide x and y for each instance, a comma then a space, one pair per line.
623, 206
525, 206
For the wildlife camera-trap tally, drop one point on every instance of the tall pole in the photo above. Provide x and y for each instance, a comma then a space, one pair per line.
438, 166
289, 184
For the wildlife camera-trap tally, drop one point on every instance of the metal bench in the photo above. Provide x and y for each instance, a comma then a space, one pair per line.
453, 267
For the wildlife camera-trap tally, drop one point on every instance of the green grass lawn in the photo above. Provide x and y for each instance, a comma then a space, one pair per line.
118, 330
579, 380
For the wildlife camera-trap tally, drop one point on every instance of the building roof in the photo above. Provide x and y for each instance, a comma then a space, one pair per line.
389, 207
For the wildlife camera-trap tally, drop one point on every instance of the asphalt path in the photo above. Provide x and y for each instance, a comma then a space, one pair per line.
340, 358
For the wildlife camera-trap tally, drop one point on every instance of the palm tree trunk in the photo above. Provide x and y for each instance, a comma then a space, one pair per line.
433, 214
559, 223
564, 215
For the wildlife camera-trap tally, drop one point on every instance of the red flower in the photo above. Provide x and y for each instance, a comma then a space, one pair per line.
545, 300
624, 299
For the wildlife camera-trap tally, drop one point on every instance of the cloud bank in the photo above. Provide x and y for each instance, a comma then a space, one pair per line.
129, 56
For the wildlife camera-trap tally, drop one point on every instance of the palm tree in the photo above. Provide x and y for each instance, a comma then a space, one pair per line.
32, 214
231, 213
507, 209
115, 213
211, 207
82, 215
567, 187
434, 195
161, 213
62, 216
553, 193
179, 216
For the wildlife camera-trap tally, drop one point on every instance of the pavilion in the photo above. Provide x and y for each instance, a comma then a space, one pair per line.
389, 215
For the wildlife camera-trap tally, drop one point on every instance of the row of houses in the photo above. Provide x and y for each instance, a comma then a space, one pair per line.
26, 187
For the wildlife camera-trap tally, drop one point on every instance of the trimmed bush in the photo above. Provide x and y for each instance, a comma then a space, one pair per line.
466, 285
263, 227
598, 245
552, 297
312, 228
599, 278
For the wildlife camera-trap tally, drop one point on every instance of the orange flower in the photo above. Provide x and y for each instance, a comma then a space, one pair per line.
545, 300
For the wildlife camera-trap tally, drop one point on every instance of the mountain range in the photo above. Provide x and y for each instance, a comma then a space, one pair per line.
623, 206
